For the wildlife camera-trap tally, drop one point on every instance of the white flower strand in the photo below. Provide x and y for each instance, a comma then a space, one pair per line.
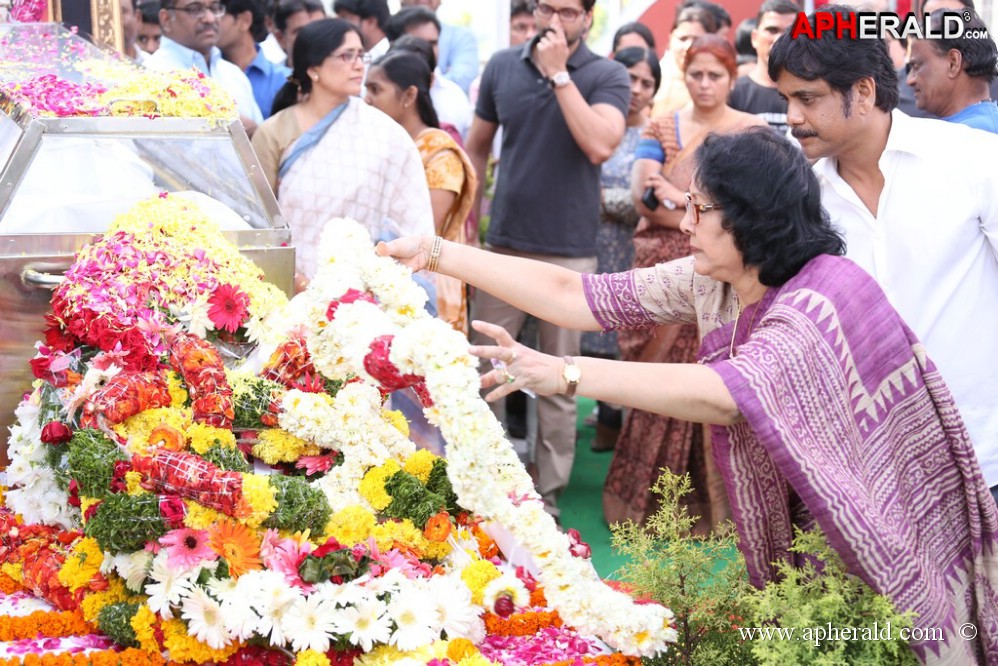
483, 468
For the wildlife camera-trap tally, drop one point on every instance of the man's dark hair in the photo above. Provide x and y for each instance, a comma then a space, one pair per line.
258, 28
636, 28
632, 55
345, 6
980, 56
408, 18
518, 7
285, 9
774, 214
838, 62
721, 16
377, 9
149, 11
416, 45
743, 41
587, 5
777, 7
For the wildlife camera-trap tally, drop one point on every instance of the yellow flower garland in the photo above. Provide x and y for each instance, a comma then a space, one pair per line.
82, 564
202, 437
279, 446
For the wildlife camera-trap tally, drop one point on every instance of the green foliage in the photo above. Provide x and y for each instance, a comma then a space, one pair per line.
124, 523
300, 507
439, 483
91, 462
226, 458
411, 499
702, 579
721, 618
253, 400
820, 603
115, 621
340, 566
50, 407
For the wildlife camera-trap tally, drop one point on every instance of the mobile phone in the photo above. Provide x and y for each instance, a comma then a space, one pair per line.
649, 199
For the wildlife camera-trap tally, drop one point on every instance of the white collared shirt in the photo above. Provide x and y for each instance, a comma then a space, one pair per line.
933, 247
172, 55
451, 104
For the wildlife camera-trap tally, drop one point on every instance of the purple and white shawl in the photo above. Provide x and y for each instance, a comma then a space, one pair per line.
849, 423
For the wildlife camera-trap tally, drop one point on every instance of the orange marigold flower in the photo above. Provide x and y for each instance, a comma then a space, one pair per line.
8, 585
487, 547
237, 545
438, 527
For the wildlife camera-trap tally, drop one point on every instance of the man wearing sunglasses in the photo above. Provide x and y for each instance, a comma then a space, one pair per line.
562, 110
190, 36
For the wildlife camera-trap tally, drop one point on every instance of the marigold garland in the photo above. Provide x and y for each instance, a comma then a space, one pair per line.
129, 657
8, 585
521, 624
615, 659
50, 624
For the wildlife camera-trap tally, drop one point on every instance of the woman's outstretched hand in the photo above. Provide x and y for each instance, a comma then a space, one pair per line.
515, 366
411, 251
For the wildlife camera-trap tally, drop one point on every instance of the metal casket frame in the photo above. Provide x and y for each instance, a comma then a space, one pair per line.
199, 155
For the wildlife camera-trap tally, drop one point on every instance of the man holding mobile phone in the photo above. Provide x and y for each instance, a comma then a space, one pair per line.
562, 109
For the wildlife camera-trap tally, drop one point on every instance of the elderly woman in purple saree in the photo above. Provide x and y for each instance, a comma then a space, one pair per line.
825, 409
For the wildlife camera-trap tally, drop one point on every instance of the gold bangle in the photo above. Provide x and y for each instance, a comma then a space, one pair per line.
434, 261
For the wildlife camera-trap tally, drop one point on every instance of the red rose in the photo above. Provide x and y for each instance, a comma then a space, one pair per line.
56, 432
91, 510
40, 367
331, 546
74, 493
173, 511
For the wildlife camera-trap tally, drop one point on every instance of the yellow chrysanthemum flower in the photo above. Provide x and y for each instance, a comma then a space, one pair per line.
178, 394
372, 487
460, 648
420, 464
187, 648
387, 535
383, 655
201, 517
477, 575
202, 437
12, 571
261, 496
142, 624
133, 483
115, 593
351, 525
278, 446
311, 658
396, 419
136, 429
82, 563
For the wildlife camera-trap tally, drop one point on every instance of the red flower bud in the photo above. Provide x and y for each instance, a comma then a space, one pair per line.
74, 493
56, 432
504, 606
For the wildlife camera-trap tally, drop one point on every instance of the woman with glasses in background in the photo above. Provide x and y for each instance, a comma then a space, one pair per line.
824, 409
329, 155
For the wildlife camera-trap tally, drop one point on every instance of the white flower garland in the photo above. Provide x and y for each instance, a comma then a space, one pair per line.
483, 467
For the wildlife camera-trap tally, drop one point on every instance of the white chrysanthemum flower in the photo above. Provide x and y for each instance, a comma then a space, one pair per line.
413, 626
169, 585
506, 585
309, 624
133, 568
367, 623
205, 619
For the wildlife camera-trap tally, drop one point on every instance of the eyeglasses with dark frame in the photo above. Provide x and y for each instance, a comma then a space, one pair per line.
352, 56
197, 10
567, 14
697, 208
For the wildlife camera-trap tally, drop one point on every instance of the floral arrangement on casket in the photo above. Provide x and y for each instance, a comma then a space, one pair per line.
220, 515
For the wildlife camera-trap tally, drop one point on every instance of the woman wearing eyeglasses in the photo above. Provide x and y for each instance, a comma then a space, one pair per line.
824, 408
649, 442
329, 155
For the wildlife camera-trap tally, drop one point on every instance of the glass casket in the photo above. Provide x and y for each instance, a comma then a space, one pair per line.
64, 179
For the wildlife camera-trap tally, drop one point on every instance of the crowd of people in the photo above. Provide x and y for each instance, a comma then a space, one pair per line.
766, 235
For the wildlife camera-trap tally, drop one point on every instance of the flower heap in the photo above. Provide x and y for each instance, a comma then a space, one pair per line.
131, 465
390, 324
116, 88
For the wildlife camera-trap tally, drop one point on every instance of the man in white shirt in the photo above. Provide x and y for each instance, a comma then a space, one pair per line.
190, 35
917, 201
374, 16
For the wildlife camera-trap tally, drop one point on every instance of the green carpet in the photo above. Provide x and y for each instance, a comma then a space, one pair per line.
582, 502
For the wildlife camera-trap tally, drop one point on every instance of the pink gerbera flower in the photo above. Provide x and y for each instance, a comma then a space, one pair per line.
187, 548
229, 307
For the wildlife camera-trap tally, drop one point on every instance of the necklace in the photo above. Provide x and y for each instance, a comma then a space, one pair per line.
734, 329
